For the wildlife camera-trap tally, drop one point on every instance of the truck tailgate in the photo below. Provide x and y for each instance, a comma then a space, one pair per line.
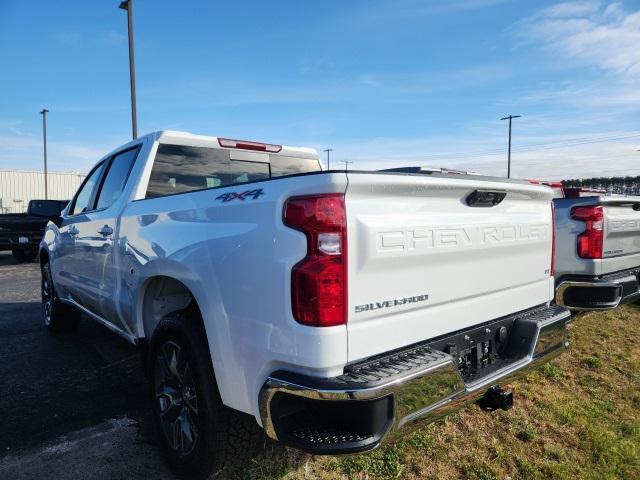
423, 263
621, 229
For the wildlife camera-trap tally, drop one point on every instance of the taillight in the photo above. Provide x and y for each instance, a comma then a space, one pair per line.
319, 281
590, 241
553, 239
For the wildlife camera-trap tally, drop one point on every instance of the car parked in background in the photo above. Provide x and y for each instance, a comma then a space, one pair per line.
21, 232
330, 308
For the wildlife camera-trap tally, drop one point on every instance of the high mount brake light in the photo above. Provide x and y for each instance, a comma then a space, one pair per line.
247, 145
319, 281
591, 240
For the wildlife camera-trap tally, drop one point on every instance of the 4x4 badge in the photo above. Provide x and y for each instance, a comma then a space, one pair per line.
227, 197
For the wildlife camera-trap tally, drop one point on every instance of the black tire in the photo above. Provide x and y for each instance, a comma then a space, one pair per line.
57, 316
24, 254
214, 440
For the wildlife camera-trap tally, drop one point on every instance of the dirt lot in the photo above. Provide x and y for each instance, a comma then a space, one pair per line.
74, 406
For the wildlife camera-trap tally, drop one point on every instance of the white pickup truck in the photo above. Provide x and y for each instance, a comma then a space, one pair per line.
332, 309
597, 259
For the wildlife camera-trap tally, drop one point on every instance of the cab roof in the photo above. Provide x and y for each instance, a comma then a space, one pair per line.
190, 139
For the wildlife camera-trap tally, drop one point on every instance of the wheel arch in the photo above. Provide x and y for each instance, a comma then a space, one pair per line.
181, 285
160, 296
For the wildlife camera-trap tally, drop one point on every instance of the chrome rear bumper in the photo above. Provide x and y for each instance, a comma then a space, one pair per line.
598, 293
399, 392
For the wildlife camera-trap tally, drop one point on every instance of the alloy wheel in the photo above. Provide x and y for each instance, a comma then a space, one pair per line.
176, 397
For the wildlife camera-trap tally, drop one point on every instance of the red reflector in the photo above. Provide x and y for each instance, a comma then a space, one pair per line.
591, 240
247, 145
319, 281
318, 292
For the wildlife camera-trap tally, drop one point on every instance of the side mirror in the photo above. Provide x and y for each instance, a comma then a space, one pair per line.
46, 208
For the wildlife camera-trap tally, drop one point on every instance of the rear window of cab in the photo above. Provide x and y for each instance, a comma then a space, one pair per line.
181, 168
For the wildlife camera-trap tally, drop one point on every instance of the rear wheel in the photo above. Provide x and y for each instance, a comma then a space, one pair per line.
24, 254
200, 437
57, 316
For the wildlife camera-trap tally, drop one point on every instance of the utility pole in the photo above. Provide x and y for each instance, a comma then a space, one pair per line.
128, 6
510, 117
346, 162
44, 112
328, 150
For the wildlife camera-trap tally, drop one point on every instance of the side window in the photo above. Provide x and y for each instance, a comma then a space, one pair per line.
85, 194
178, 169
116, 178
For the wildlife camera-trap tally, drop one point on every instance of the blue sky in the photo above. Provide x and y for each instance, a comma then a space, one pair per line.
383, 83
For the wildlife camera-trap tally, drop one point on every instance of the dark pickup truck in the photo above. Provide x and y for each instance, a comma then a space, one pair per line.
21, 232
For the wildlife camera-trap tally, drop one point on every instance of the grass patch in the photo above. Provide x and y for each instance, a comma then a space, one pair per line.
423, 440
551, 371
527, 433
384, 463
479, 472
592, 362
577, 417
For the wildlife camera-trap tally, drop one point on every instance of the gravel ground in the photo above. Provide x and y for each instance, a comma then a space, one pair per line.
73, 406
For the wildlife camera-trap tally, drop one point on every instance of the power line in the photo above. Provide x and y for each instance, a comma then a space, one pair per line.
530, 147
586, 142
568, 143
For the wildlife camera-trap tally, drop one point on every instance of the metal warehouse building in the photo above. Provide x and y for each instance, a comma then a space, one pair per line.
17, 187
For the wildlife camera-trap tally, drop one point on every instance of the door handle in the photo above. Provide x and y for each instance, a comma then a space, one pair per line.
105, 231
73, 230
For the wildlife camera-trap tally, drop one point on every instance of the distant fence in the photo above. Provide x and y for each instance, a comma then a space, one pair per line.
615, 185
17, 187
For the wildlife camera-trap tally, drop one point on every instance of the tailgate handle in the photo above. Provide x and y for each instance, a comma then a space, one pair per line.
485, 198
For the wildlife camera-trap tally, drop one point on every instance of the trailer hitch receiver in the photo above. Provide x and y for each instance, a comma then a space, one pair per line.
497, 398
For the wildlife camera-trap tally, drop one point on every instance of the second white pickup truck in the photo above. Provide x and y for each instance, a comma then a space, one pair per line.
330, 309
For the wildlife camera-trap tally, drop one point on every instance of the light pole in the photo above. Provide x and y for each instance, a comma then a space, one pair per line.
328, 150
44, 112
128, 6
510, 117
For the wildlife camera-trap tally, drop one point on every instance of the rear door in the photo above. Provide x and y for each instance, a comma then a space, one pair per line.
429, 255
